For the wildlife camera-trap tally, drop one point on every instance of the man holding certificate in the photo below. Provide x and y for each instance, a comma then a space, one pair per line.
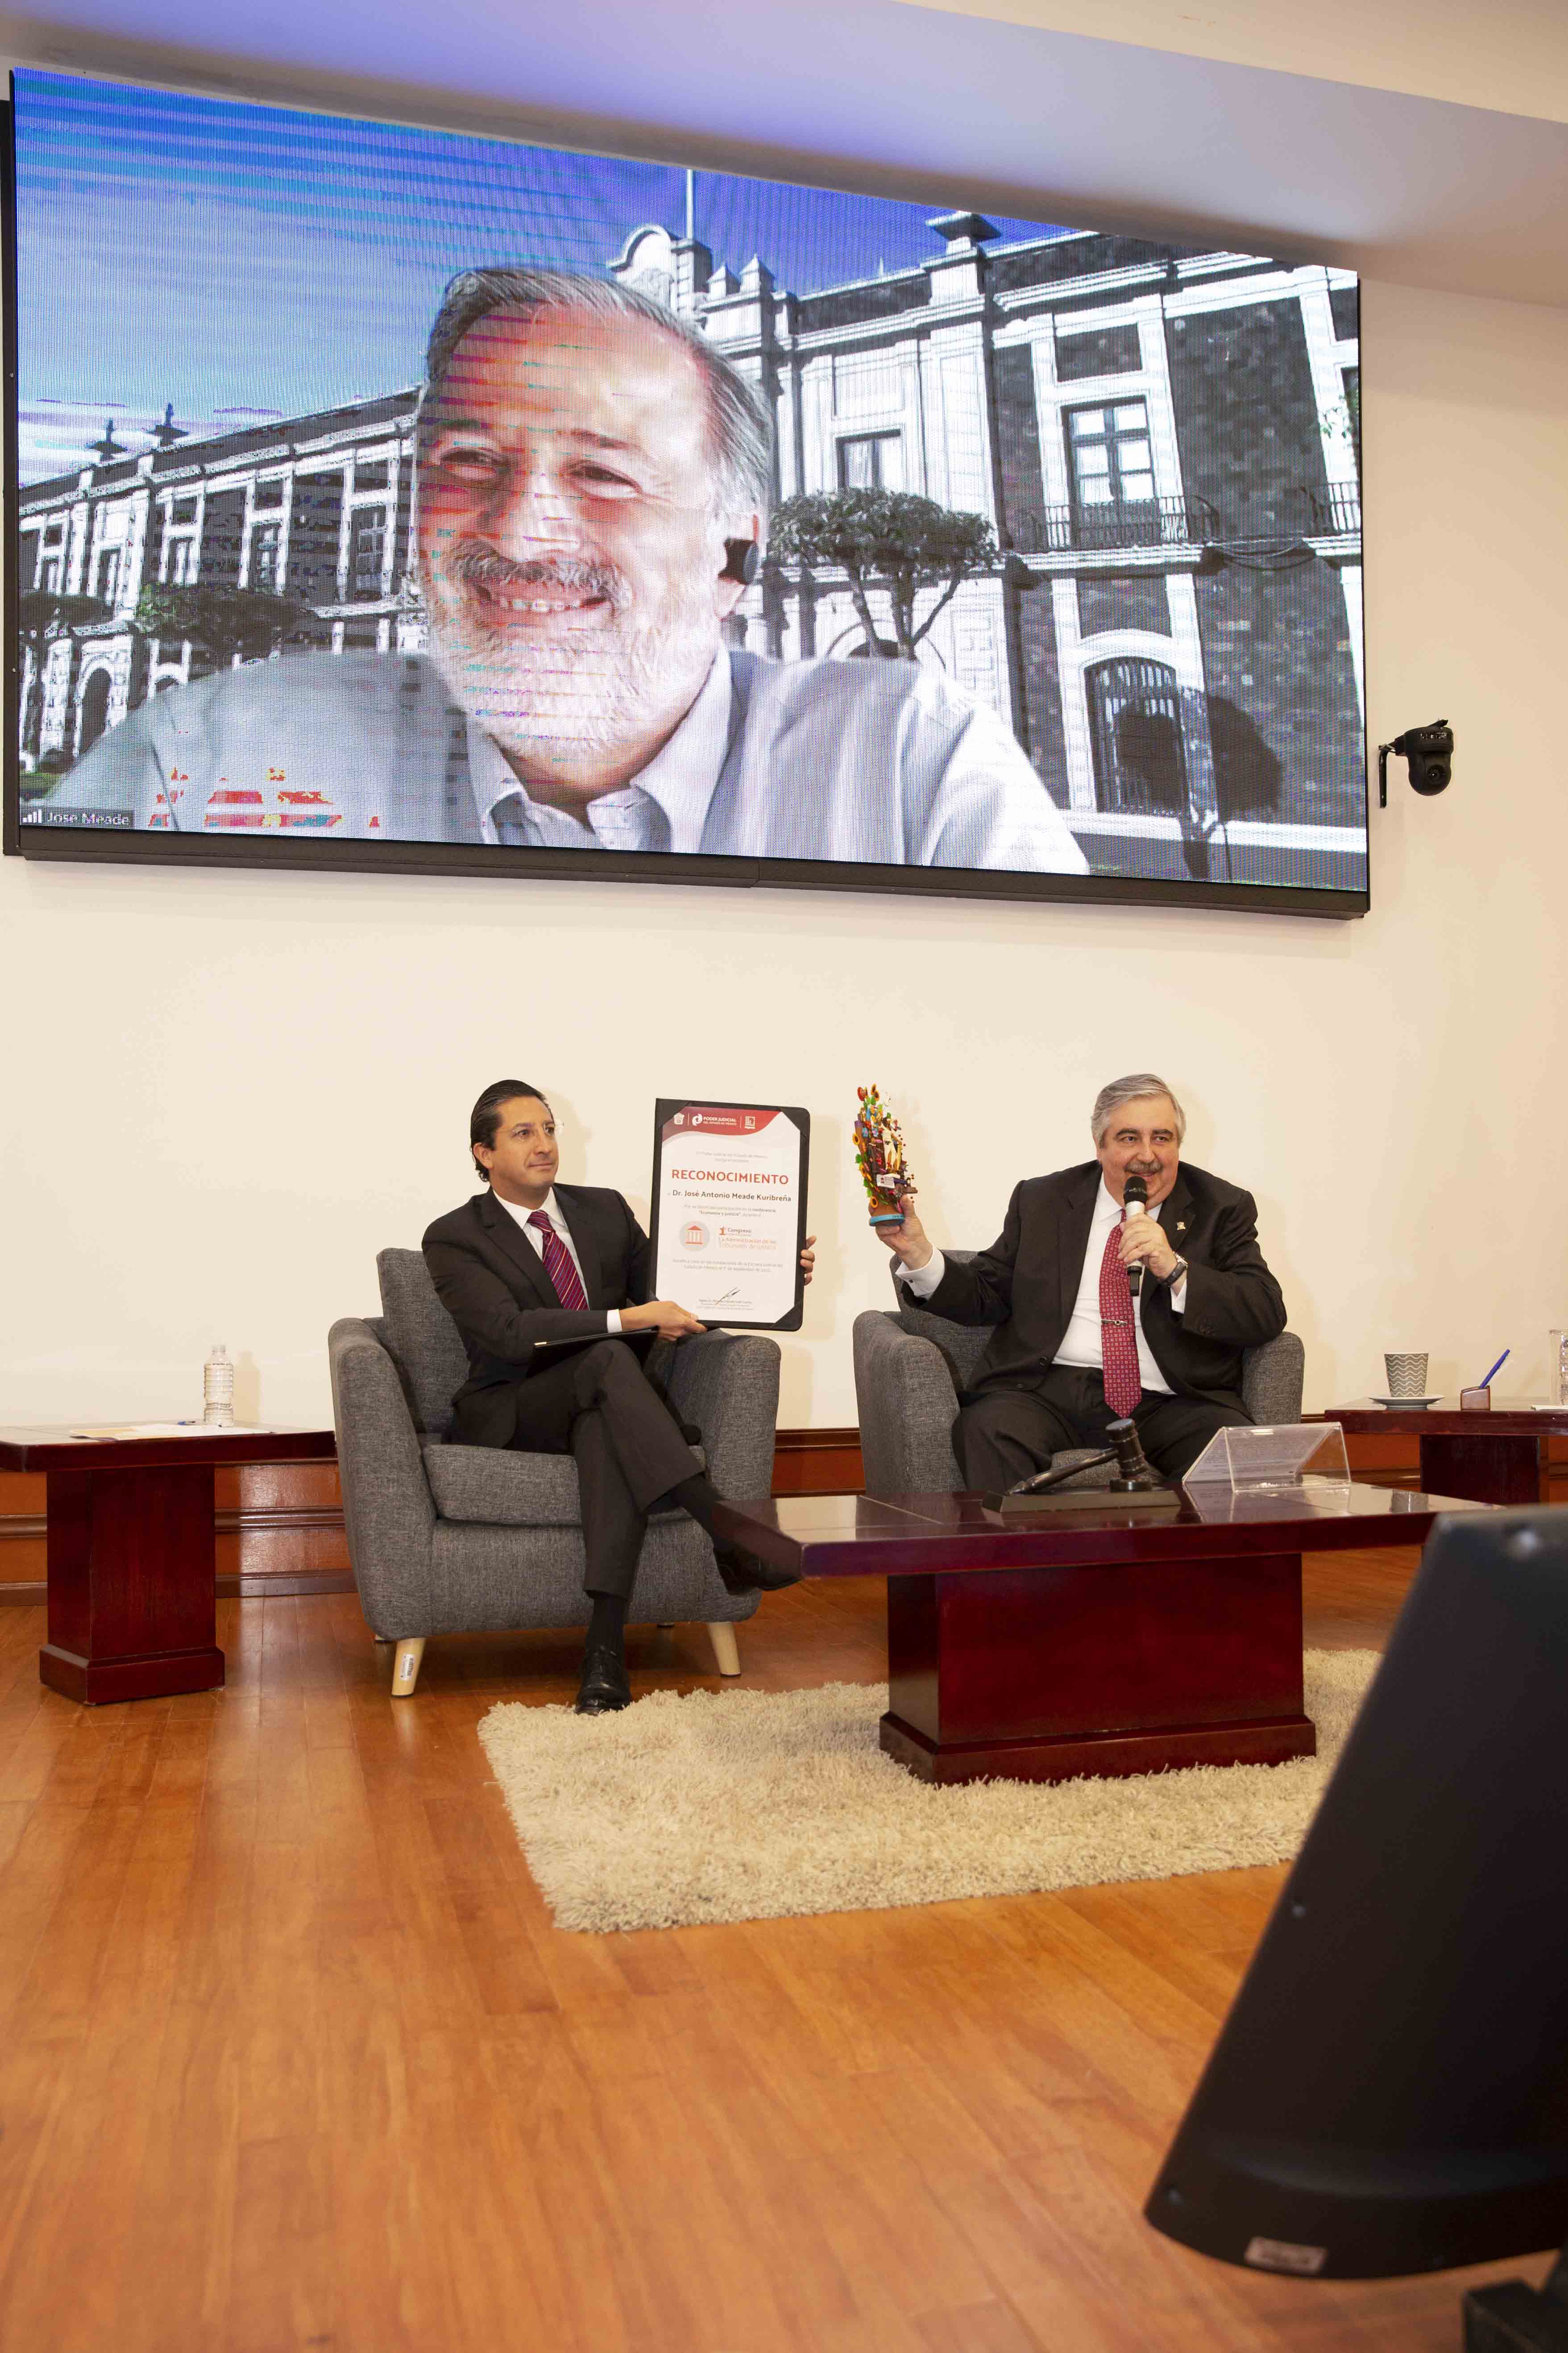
547, 1286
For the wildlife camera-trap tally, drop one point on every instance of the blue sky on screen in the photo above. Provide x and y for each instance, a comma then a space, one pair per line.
236, 258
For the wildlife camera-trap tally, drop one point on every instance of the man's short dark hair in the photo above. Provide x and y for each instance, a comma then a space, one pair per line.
740, 435
484, 1119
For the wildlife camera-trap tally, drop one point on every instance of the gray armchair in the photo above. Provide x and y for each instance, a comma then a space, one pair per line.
447, 1539
910, 1365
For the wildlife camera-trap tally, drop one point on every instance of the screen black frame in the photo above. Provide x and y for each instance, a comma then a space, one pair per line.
124, 846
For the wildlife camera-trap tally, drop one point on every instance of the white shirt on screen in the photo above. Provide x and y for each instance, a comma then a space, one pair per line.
877, 763
1081, 1344
552, 1208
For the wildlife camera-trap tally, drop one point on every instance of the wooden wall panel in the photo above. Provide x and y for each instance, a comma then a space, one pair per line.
280, 1524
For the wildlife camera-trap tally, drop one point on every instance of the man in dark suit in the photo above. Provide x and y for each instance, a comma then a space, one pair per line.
1072, 1349
548, 1287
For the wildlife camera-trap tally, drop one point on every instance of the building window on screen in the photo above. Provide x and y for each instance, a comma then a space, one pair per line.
871, 461
367, 551
265, 546
1110, 454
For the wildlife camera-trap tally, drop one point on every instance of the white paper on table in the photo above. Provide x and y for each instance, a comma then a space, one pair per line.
177, 1430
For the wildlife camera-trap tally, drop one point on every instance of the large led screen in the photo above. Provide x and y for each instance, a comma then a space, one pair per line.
389, 497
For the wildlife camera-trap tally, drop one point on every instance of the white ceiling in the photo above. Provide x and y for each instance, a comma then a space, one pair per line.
1512, 56
921, 101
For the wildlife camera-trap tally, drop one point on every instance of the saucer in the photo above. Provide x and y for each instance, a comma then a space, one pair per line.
1415, 1403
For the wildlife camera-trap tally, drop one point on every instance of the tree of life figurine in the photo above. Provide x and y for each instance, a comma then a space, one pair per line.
879, 1157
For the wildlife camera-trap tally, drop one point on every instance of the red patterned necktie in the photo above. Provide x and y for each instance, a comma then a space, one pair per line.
558, 1263
1118, 1332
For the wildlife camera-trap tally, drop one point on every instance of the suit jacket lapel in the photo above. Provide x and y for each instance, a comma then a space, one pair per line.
1175, 1215
1072, 1233
516, 1249
573, 1209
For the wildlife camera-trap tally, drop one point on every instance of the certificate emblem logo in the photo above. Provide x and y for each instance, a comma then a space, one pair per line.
694, 1234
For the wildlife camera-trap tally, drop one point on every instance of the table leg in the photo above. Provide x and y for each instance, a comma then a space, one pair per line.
131, 1584
1042, 1674
1482, 1470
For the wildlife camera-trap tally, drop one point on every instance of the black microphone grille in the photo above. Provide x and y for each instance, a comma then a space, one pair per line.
1135, 1189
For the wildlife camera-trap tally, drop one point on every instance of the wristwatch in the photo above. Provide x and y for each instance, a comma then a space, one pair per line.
1171, 1280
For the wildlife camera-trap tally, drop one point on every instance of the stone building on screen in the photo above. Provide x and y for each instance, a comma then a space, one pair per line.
1164, 441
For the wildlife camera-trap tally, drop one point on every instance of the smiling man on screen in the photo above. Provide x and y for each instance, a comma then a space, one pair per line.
593, 479
1072, 1349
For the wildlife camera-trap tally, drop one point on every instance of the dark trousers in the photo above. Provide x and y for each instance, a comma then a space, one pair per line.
1008, 1434
599, 1405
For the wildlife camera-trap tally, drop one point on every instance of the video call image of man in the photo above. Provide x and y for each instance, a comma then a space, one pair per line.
593, 479
529, 1261
1073, 1350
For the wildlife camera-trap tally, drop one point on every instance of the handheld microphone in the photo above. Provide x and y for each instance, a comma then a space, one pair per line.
1134, 1195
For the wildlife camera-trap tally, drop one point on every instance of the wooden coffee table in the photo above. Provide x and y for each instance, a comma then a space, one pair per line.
1492, 1458
132, 1553
1096, 1643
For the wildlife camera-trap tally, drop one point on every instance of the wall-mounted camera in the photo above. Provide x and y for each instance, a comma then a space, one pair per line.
1429, 753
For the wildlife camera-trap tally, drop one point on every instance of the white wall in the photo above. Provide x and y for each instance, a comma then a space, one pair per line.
226, 1093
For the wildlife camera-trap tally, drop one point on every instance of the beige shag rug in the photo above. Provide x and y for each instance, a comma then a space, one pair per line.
741, 1805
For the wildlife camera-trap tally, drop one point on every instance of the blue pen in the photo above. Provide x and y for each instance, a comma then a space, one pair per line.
1496, 1368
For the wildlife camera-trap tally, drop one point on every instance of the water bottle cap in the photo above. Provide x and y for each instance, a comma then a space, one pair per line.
218, 1348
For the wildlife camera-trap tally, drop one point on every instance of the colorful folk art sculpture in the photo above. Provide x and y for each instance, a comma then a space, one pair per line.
879, 1157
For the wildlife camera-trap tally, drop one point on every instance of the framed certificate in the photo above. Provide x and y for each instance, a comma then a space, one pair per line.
729, 1210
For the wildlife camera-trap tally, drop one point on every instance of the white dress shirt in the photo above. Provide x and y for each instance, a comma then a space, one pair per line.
1082, 1347
552, 1208
882, 763
879, 762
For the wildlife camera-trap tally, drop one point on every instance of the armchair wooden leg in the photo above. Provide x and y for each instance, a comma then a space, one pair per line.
405, 1666
726, 1650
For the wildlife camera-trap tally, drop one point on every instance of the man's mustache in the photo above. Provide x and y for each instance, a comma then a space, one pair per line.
472, 564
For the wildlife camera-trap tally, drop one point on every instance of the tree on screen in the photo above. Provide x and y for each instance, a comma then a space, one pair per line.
220, 622
886, 539
42, 615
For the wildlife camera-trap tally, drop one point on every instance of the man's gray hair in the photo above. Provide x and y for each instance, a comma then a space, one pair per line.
1109, 1100
740, 433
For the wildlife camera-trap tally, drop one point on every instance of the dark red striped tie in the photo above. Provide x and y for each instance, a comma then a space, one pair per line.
558, 1264
1118, 1337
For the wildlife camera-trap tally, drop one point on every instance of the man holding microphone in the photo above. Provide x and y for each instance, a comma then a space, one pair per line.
1127, 1286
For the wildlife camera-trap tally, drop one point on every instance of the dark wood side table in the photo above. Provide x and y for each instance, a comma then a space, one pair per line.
132, 1560
1492, 1458
1094, 1642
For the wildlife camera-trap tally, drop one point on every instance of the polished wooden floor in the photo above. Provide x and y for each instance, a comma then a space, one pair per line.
293, 2057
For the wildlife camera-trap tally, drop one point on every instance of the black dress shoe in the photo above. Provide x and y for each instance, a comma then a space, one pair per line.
743, 1572
604, 1687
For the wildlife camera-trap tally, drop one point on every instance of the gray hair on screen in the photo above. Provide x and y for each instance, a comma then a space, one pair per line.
1109, 1100
740, 434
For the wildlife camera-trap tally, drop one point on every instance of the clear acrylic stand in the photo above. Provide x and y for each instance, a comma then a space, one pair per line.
1275, 1460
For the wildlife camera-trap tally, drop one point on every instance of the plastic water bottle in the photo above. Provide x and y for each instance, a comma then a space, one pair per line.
217, 1388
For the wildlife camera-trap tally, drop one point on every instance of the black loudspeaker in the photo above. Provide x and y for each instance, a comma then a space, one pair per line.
743, 561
